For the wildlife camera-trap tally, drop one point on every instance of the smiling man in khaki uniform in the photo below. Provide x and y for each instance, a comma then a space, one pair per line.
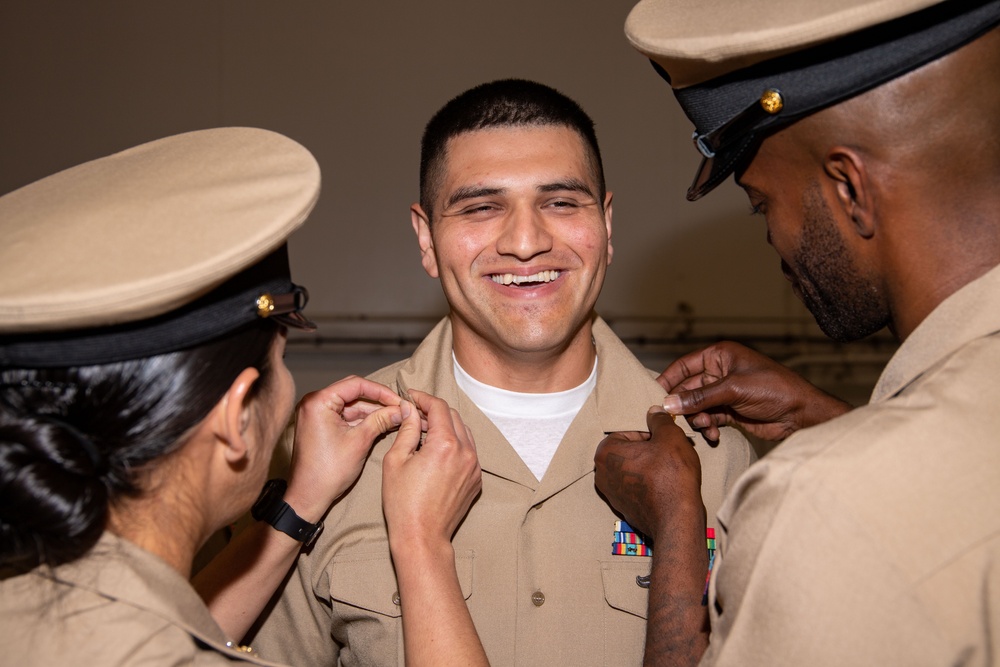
867, 133
515, 222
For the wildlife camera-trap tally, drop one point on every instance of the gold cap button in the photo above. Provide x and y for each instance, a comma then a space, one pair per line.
265, 305
771, 101
538, 598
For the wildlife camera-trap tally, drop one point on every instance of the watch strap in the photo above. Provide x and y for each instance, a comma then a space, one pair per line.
272, 508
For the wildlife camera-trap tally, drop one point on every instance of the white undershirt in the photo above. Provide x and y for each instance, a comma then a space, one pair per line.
534, 424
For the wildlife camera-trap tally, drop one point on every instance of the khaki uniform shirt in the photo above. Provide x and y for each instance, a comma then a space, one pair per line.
874, 539
118, 605
534, 558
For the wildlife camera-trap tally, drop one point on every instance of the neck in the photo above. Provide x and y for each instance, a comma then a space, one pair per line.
527, 371
162, 523
949, 254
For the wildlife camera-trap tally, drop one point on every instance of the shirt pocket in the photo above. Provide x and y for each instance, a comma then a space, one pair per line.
621, 588
626, 610
365, 603
365, 583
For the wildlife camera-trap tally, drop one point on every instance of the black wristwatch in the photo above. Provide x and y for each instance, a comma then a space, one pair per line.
272, 508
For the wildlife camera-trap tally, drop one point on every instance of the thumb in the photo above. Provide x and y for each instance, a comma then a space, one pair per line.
379, 422
699, 399
408, 438
657, 418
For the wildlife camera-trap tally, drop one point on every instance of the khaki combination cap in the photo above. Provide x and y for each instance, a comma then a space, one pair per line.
743, 69
154, 249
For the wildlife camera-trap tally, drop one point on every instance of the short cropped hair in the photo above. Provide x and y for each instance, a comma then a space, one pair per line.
499, 104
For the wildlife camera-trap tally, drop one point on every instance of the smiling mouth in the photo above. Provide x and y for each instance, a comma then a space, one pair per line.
534, 279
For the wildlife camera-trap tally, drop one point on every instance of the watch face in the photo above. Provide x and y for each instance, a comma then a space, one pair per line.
269, 501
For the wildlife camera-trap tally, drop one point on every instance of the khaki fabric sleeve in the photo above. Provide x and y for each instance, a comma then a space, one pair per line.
805, 584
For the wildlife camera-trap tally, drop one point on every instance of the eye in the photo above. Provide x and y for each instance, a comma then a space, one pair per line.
563, 205
478, 208
758, 202
758, 208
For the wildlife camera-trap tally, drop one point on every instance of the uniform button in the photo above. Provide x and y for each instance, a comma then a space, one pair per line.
395, 598
538, 598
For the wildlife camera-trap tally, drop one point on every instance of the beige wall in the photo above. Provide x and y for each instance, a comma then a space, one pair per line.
355, 82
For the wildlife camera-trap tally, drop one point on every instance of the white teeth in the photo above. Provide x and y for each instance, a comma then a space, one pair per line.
540, 277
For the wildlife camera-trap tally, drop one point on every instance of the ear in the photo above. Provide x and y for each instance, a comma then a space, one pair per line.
232, 416
607, 222
422, 228
854, 188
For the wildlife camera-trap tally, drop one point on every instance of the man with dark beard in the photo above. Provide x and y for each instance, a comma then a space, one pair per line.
868, 136
824, 276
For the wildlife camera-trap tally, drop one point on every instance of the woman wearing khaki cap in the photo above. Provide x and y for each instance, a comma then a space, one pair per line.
144, 299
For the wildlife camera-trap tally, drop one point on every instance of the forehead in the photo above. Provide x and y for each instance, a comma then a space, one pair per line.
536, 152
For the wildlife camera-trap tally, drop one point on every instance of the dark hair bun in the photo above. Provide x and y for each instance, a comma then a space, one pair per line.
53, 501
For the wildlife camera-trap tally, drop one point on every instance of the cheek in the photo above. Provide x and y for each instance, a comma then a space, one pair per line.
588, 242
280, 401
458, 252
289, 393
781, 235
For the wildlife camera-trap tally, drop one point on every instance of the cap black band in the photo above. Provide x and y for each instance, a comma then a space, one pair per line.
225, 309
819, 77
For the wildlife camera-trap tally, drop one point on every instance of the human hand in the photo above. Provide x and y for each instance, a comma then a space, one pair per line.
334, 431
727, 383
654, 480
426, 492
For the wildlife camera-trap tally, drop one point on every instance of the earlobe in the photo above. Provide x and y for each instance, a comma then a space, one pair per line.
422, 228
853, 188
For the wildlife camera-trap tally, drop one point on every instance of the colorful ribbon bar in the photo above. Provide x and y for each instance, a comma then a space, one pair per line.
710, 540
631, 550
628, 542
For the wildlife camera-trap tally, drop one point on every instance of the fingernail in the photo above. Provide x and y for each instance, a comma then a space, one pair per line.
672, 403
405, 408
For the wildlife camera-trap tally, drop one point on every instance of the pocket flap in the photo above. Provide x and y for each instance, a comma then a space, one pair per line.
368, 581
620, 587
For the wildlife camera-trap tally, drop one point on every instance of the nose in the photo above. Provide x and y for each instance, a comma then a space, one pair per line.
524, 234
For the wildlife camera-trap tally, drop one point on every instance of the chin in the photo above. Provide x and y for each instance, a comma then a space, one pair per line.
847, 328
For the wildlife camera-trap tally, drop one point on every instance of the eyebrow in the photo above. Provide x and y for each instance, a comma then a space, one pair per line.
471, 192
572, 184
750, 190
